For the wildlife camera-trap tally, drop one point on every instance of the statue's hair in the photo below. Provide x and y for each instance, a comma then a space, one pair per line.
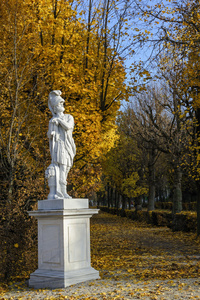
52, 96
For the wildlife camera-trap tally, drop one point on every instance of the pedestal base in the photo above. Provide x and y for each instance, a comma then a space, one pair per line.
63, 204
63, 243
56, 279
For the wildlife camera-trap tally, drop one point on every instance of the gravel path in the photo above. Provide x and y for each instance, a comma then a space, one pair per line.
109, 289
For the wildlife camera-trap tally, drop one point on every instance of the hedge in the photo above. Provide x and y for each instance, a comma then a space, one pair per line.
184, 221
168, 205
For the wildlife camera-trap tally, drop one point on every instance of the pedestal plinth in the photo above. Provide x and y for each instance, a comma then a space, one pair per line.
63, 243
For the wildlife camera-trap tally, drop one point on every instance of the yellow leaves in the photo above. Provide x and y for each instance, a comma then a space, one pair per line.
129, 185
123, 249
131, 257
52, 53
3, 289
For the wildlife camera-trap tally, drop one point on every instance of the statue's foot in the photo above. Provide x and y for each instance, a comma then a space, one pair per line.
57, 197
67, 196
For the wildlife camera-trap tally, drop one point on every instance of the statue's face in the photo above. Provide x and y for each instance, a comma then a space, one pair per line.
60, 106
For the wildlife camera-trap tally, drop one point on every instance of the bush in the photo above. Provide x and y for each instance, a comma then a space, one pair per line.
164, 205
184, 221
188, 206
18, 242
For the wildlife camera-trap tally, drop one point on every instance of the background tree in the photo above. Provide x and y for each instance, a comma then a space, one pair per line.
158, 122
177, 28
124, 167
43, 47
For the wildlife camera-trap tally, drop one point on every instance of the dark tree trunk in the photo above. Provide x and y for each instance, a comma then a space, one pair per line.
117, 199
198, 208
124, 202
138, 204
197, 114
107, 196
129, 203
177, 191
11, 184
152, 187
111, 196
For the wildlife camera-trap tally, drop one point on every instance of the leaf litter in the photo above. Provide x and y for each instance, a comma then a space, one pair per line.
135, 260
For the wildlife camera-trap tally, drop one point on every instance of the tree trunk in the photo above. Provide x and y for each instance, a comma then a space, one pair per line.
197, 114
108, 195
138, 203
198, 208
151, 199
152, 187
177, 191
111, 196
123, 202
11, 184
129, 203
117, 199
198, 214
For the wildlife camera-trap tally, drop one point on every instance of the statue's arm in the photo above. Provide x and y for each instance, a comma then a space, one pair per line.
50, 130
67, 124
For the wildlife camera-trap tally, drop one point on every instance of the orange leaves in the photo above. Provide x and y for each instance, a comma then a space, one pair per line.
44, 47
135, 261
122, 249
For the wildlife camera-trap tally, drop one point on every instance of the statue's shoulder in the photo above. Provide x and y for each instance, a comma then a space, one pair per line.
69, 117
51, 119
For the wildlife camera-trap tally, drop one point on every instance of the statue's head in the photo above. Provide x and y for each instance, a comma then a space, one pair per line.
55, 102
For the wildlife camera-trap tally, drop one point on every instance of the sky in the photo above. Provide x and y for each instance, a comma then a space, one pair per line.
135, 28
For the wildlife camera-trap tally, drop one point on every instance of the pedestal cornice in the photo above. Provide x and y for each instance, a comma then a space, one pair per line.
63, 213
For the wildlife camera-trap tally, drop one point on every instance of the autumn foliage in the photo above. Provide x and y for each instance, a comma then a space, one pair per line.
125, 249
149, 150
45, 45
126, 253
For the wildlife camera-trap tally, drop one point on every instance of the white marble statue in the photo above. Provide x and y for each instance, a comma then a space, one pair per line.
62, 147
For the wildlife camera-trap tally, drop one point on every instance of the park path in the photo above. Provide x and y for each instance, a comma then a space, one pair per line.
136, 261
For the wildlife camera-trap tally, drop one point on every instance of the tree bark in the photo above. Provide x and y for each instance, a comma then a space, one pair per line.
123, 202
11, 183
198, 209
108, 195
177, 191
152, 188
129, 203
111, 196
138, 203
197, 115
117, 199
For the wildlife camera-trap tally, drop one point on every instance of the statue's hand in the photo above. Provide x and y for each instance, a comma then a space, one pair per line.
53, 133
55, 121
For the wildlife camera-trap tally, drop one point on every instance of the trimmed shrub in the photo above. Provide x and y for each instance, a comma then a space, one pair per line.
184, 221
188, 206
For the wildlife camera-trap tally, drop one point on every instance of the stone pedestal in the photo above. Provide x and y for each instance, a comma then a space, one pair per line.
63, 243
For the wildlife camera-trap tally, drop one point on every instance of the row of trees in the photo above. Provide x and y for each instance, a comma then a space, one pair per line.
47, 45
160, 126
80, 48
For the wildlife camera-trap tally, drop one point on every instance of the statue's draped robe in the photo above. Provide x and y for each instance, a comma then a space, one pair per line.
62, 146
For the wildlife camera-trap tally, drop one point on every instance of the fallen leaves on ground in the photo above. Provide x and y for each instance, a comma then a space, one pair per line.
122, 248
135, 260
